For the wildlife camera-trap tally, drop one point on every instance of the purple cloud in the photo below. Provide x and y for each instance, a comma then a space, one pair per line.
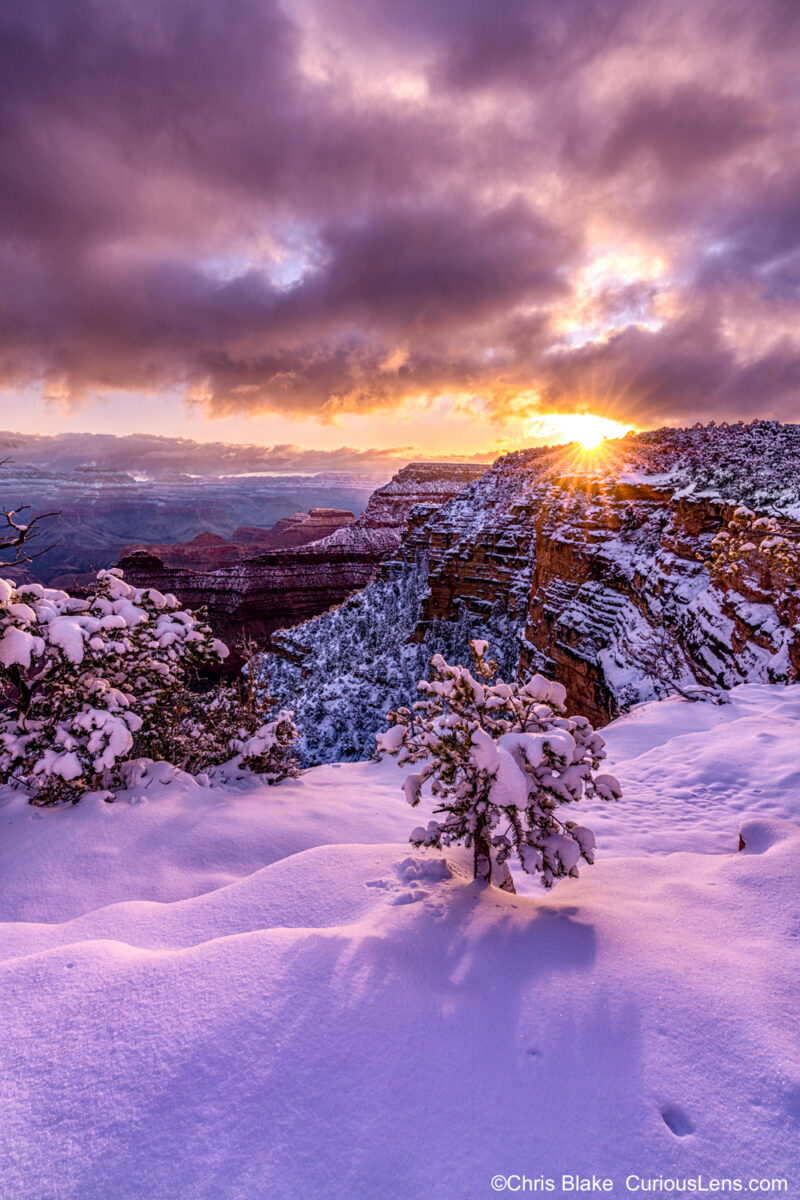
157, 457
312, 207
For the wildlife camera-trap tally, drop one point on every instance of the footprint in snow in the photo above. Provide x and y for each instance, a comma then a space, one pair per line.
431, 870
677, 1121
412, 872
408, 897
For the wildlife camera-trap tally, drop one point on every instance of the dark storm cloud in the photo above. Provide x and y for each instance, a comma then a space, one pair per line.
314, 207
681, 372
408, 276
759, 241
680, 130
190, 118
471, 44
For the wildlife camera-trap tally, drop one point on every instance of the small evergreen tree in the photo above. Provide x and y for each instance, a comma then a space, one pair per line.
228, 724
500, 758
89, 683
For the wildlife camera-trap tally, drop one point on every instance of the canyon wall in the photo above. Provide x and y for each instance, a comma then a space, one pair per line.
208, 551
282, 587
596, 560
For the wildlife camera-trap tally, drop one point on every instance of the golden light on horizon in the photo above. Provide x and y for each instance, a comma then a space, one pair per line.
586, 428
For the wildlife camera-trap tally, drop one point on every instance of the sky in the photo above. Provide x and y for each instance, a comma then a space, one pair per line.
430, 227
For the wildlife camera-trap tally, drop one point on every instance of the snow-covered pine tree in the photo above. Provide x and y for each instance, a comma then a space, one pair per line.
89, 683
500, 758
237, 724
85, 680
228, 725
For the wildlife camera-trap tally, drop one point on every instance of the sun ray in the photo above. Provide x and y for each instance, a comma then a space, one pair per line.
586, 428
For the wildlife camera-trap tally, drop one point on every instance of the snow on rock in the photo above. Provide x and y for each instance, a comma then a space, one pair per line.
758, 836
593, 570
224, 993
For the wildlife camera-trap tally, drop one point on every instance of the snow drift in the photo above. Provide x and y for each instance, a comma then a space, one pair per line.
243, 992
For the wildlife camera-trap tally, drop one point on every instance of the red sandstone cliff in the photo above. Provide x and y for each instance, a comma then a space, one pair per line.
208, 551
282, 587
596, 559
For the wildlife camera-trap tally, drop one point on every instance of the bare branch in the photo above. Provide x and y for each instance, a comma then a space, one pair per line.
16, 536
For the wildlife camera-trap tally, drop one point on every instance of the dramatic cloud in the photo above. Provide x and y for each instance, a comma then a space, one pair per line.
156, 457
330, 206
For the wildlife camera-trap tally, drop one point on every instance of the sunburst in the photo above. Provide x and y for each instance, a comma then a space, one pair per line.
585, 428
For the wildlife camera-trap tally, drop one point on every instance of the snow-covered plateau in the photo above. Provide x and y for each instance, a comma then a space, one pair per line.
240, 992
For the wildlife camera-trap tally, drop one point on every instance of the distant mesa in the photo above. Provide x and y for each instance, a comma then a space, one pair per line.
100, 515
207, 551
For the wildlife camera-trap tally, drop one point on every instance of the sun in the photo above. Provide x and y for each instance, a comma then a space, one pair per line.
587, 429
590, 431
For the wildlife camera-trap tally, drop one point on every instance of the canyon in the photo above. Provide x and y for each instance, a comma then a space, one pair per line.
208, 550
100, 513
591, 567
281, 587
598, 561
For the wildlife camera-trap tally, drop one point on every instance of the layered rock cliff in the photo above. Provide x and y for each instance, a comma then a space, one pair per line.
98, 514
597, 560
208, 551
589, 567
282, 587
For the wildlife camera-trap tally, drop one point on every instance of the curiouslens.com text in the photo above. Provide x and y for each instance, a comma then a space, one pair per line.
634, 1184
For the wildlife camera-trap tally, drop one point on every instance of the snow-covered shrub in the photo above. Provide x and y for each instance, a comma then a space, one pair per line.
233, 721
87, 683
501, 758
749, 535
270, 751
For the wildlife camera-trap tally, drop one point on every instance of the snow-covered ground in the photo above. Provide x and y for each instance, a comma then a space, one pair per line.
253, 992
